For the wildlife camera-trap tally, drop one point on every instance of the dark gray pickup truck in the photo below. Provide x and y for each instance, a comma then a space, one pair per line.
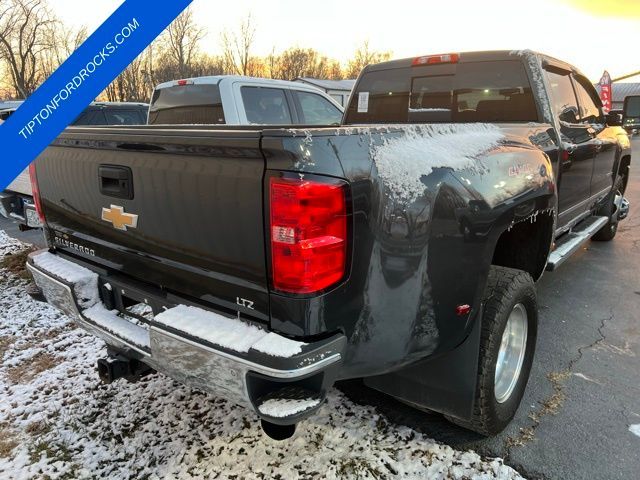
264, 264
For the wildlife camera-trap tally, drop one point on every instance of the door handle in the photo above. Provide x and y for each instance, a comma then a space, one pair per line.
141, 147
568, 149
116, 181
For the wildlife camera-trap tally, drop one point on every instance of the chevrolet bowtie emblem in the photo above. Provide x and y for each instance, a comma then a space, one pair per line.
120, 220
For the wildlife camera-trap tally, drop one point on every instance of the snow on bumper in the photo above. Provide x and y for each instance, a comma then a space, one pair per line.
200, 348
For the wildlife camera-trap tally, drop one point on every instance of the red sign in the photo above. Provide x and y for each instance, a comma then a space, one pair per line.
605, 91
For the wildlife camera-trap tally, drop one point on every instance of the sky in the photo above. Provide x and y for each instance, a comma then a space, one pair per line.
593, 35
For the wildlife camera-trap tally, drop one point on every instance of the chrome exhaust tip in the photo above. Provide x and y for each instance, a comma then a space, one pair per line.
278, 432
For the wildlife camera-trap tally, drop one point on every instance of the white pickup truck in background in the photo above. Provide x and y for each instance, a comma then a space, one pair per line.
237, 100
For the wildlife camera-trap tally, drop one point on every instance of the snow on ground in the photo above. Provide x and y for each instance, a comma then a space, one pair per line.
57, 421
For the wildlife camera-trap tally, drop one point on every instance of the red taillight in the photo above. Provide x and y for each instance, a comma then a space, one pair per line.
35, 191
308, 234
182, 83
436, 59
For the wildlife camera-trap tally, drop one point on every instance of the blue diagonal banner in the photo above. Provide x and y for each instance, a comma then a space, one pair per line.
79, 80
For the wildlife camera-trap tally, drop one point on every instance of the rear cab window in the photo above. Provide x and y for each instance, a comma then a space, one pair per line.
123, 117
188, 104
266, 106
90, 117
481, 91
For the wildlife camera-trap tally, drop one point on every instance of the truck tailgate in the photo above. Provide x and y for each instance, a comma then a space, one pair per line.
197, 195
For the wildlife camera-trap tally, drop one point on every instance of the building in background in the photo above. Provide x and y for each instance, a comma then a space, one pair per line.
340, 90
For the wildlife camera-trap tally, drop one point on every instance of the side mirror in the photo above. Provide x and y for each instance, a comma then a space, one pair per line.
614, 119
569, 115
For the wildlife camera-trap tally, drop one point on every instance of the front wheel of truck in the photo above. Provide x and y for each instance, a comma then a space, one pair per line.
507, 344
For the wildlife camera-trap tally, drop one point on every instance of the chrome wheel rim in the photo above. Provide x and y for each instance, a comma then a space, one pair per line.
511, 354
617, 203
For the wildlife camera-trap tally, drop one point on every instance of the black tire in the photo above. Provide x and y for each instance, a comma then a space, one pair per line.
608, 232
506, 288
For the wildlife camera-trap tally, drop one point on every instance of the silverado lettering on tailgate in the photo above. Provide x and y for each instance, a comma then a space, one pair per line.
74, 246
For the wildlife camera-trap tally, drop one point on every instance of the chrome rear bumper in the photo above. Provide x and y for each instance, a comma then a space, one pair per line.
244, 378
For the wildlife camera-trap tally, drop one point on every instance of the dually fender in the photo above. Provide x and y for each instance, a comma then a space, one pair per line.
470, 210
414, 260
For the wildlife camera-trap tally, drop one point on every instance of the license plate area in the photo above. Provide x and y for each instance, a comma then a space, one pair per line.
31, 216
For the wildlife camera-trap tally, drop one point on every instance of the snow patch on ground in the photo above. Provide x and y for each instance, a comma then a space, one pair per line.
8, 245
227, 332
285, 407
63, 423
84, 280
403, 161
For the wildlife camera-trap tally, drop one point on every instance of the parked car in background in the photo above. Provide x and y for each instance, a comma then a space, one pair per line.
237, 100
16, 200
8, 104
631, 118
6, 113
113, 113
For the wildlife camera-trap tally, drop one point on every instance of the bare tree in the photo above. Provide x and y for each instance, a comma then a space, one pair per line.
183, 38
133, 84
272, 64
334, 70
302, 62
363, 57
62, 42
236, 47
33, 44
23, 40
